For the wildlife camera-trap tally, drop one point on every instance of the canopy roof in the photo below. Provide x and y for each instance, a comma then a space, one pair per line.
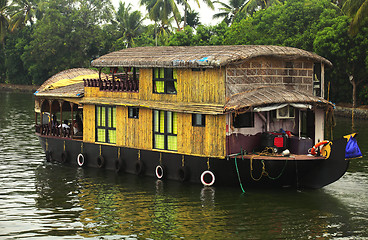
68, 83
198, 56
263, 96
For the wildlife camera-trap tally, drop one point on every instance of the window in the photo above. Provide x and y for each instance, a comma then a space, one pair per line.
133, 112
106, 124
164, 80
165, 130
244, 120
285, 112
198, 120
317, 80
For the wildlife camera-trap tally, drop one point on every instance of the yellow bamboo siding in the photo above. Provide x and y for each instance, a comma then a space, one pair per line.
201, 86
95, 92
89, 129
192, 86
134, 133
204, 141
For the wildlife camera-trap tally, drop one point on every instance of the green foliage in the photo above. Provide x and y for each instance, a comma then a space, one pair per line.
14, 48
290, 24
4, 19
2, 66
65, 37
182, 38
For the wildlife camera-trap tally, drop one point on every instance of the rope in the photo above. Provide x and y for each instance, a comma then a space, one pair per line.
263, 169
282, 171
208, 163
182, 160
237, 170
64, 146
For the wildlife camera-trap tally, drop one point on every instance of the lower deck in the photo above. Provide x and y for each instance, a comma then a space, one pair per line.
251, 170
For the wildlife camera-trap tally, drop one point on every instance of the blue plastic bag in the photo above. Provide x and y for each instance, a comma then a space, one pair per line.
352, 149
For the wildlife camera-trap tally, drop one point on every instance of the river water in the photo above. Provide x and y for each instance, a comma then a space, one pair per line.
40, 200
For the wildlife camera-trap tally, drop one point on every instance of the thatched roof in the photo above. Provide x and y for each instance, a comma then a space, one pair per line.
271, 95
68, 83
198, 56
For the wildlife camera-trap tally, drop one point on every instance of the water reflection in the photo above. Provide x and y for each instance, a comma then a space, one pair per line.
105, 204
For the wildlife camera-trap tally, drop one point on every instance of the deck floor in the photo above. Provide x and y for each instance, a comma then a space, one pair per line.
280, 157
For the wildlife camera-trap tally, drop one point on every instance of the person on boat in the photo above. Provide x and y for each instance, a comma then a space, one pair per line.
65, 125
54, 125
65, 128
78, 126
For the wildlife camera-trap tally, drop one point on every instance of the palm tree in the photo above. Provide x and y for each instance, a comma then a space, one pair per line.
188, 9
254, 5
129, 23
24, 11
4, 19
358, 10
160, 11
230, 10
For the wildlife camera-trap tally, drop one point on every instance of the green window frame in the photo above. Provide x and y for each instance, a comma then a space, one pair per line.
165, 80
133, 112
106, 124
165, 130
198, 120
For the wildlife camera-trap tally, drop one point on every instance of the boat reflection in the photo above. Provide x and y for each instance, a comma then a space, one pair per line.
105, 204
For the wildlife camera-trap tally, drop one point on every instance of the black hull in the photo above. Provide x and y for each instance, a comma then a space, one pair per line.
228, 172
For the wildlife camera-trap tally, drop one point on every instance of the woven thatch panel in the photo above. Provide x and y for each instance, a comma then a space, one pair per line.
198, 56
159, 105
270, 95
271, 71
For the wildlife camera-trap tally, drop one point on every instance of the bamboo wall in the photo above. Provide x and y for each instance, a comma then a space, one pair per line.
212, 136
131, 132
192, 86
138, 133
89, 128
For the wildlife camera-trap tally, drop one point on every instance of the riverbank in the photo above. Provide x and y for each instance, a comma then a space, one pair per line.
18, 88
346, 111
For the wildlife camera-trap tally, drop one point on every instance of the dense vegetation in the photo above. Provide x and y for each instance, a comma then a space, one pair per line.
39, 38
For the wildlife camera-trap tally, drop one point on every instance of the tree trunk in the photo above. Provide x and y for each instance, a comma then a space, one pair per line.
354, 93
185, 16
354, 84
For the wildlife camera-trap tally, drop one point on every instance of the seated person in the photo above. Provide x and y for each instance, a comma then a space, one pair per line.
77, 129
64, 125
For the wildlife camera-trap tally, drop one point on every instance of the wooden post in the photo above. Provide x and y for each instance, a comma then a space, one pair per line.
72, 124
61, 118
50, 125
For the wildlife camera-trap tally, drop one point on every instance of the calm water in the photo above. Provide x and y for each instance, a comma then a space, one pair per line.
41, 200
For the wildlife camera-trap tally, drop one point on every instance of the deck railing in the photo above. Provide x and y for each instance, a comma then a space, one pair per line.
120, 83
47, 130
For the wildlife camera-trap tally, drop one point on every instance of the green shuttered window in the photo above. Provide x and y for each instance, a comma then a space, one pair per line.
106, 124
165, 80
165, 130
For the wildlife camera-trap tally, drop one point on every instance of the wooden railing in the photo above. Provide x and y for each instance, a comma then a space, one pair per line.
120, 83
48, 130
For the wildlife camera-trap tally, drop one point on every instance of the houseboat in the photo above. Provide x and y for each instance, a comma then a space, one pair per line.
224, 115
